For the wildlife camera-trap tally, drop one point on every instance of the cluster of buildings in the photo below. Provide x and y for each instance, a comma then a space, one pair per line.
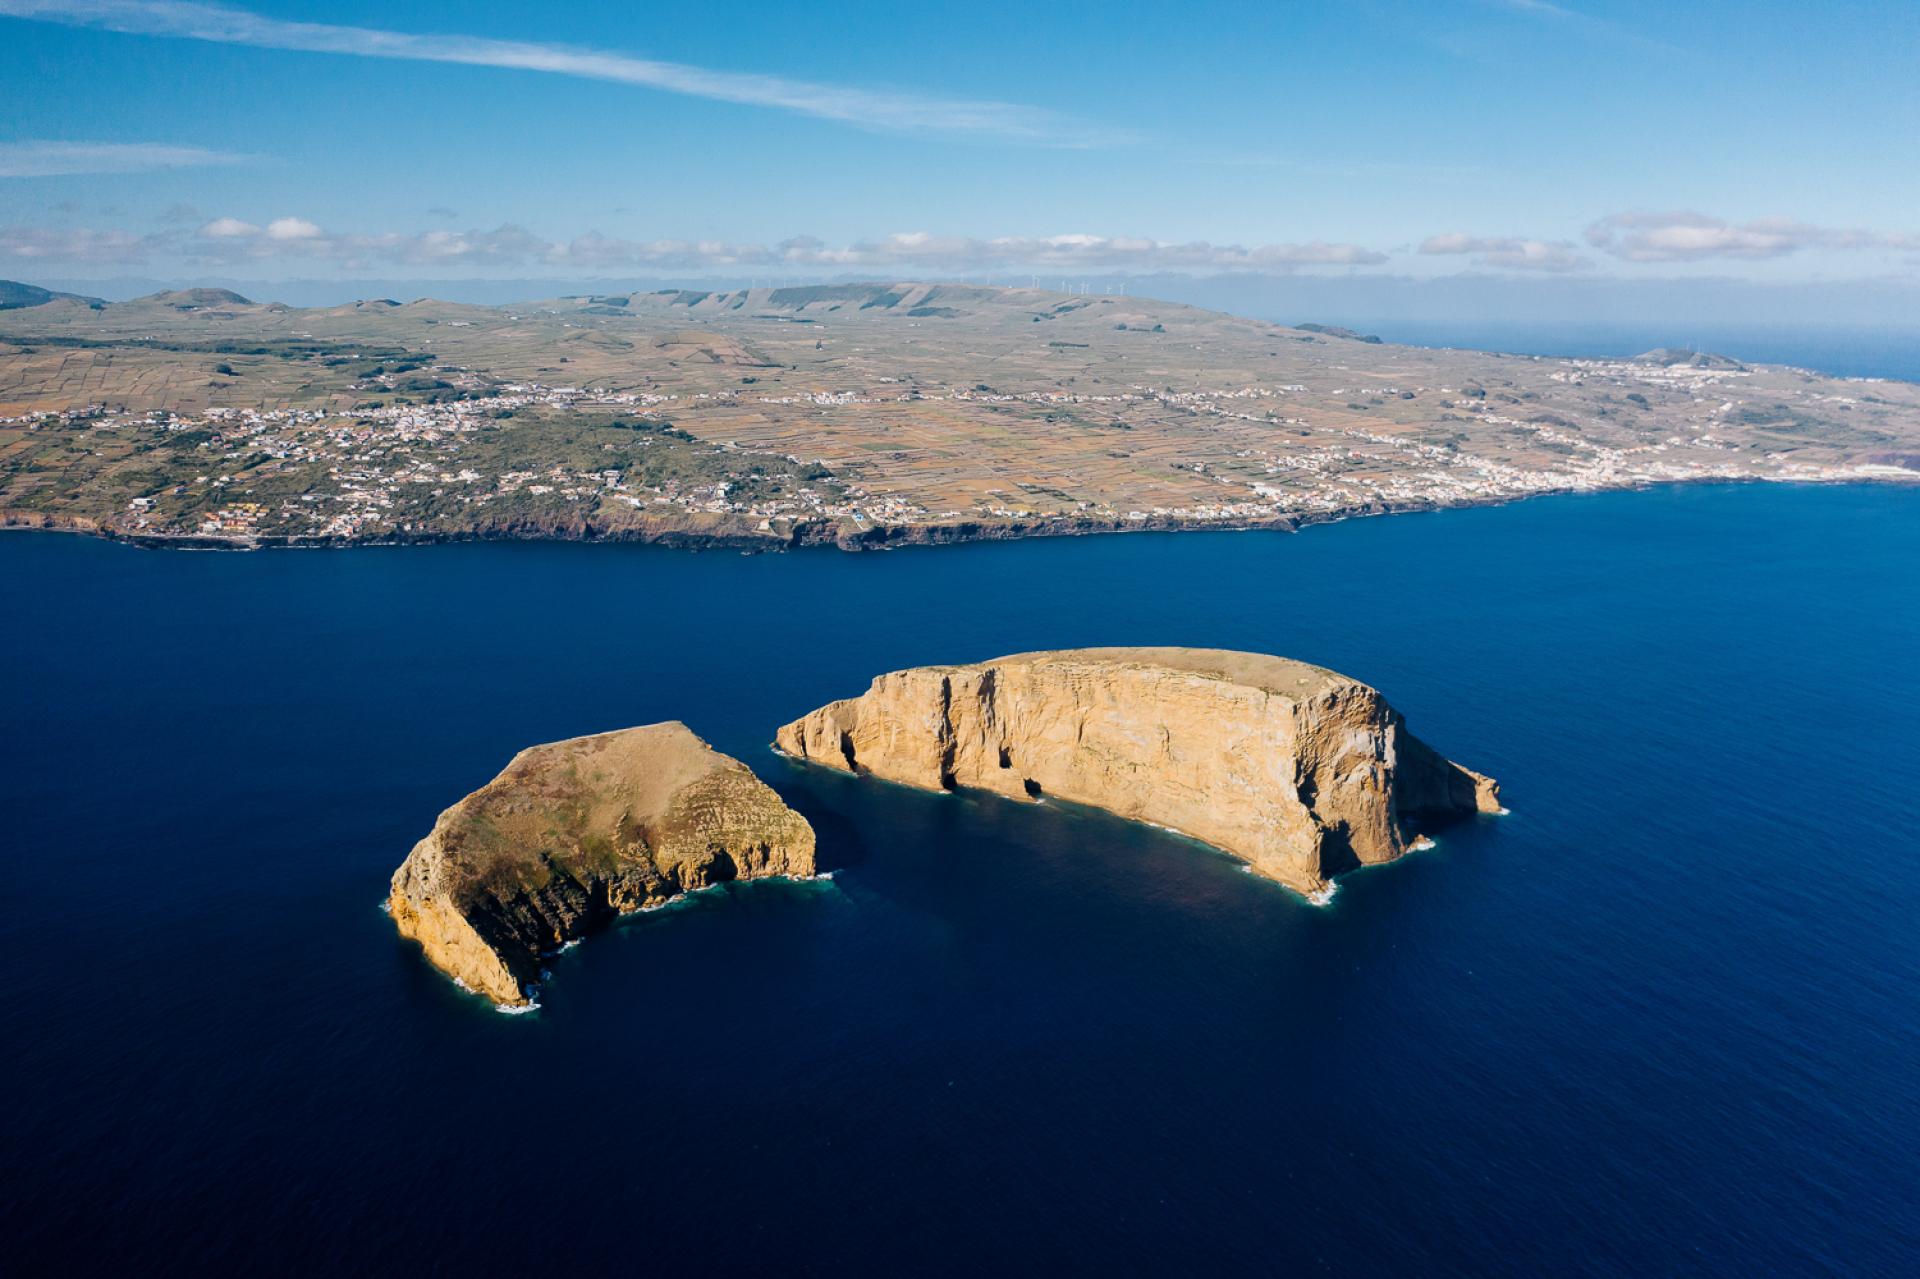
1680, 377
240, 517
387, 460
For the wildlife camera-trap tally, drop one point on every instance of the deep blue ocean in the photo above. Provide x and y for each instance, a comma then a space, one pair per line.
1661, 1020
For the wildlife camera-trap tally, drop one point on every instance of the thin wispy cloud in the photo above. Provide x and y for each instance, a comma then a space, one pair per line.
1076, 251
1510, 253
596, 252
1538, 7
1681, 236
232, 241
892, 112
1572, 20
32, 246
58, 159
1349, 166
1685, 236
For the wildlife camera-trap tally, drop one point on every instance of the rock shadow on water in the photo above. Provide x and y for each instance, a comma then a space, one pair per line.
821, 796
1056, 832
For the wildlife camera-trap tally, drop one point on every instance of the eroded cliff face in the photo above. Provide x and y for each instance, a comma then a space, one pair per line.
1301, 772
574, 832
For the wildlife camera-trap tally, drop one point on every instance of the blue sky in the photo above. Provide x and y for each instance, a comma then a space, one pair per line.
1761, 141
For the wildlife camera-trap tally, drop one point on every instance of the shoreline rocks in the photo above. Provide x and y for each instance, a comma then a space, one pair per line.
730, 533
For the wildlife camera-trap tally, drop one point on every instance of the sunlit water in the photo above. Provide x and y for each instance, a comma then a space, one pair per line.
1662, 1019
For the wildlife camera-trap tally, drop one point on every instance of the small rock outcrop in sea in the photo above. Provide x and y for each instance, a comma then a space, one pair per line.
1301, 772
574, 832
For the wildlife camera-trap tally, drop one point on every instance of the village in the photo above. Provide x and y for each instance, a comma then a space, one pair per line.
400, 468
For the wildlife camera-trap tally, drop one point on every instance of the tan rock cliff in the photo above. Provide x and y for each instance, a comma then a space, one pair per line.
1301, 772
574, 832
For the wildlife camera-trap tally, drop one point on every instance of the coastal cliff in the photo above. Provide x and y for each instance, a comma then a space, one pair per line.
713, 532
574, 832
1301, 772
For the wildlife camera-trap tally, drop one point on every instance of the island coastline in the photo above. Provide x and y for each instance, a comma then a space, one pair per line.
737, 535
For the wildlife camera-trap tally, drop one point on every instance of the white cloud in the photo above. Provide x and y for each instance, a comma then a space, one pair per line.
594, 251
868, 109
229, 240
920, 249
292, 229
232, 241
1510, 253
57, 159
1666, 237
1684, 236
1072, 252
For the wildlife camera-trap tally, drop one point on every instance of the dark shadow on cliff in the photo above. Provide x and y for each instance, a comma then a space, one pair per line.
1336, 851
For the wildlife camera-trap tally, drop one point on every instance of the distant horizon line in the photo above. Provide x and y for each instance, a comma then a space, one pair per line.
1010, 279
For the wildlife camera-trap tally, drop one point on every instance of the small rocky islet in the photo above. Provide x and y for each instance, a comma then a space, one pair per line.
1300, 772
573, 833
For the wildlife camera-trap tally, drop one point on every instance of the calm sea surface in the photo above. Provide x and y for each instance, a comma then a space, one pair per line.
1663, 1019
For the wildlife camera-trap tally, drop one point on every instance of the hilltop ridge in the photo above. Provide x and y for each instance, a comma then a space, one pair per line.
1668, 357
15, 295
